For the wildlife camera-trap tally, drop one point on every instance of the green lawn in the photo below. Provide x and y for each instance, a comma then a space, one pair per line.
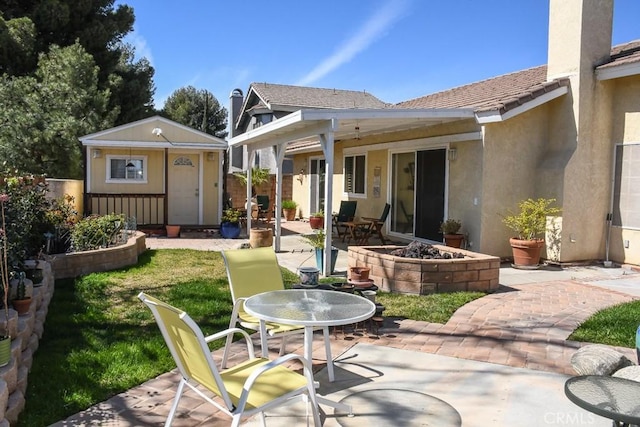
100, 340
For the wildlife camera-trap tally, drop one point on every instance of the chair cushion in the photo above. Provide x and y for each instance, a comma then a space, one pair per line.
271, 384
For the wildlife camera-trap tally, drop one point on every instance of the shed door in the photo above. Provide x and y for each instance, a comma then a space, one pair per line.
182, 187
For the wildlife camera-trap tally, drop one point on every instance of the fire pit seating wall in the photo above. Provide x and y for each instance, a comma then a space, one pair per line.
473, 272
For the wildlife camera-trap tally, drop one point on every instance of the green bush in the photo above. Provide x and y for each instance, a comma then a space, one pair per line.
97, 232
25, 217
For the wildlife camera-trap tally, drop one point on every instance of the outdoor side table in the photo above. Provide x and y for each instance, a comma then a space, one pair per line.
615, 398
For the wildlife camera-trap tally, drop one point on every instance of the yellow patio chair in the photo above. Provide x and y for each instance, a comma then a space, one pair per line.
250, 272
247, 388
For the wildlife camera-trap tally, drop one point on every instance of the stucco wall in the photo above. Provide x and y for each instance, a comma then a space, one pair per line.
513, 149
73, 187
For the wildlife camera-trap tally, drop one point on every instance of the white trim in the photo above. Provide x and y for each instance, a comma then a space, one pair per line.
409, 144
494, 116
623, 70
200, 188
344, 175
150, 120
154, 145
320, 121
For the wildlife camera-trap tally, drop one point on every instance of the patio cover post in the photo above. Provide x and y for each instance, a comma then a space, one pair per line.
248, 205
326, 142
278, 151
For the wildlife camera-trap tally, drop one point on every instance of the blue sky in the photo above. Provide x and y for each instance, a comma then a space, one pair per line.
394, 49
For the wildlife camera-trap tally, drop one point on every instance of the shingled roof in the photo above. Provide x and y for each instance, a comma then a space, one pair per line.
627, 53
312, 97
503, 93
498, 93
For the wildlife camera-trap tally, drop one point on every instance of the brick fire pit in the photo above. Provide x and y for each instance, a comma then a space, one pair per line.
474, 272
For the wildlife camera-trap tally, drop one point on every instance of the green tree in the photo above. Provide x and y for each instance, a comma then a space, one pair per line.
17, 46
43, 116
100, 29
198, 109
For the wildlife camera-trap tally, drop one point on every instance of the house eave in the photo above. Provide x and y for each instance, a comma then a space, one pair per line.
502, 114
618, 71
152, 145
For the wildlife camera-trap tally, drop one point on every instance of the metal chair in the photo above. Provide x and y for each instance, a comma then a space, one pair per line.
247, 388
250, 272
346, 213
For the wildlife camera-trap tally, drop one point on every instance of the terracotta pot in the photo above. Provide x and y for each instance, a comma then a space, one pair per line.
21, 305
526, 253
316, 222
173, 230
359, 273
453, 240
289, 214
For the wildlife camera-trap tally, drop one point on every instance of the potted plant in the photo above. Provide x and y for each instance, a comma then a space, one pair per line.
22, 300
449, 230
230, 224
289, 209
316, 239
529, 224
316, 220
5, 338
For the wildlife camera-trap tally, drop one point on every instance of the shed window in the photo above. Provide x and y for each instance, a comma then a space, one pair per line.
117, 170
355, 174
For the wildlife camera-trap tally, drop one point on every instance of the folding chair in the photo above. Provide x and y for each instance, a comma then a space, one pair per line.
250, 272
346, 213
264, 210
247, 388
376, 224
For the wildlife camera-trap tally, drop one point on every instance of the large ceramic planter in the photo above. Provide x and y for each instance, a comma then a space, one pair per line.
316, 222
526, 253
320, 259
230, 230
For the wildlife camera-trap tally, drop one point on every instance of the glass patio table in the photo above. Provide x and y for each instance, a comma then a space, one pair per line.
610, 397
310, 308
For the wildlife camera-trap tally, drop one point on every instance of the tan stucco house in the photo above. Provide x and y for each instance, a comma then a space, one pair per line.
155, 170
568, 130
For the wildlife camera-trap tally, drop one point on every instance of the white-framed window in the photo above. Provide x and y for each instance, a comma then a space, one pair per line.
127, 169
355, 175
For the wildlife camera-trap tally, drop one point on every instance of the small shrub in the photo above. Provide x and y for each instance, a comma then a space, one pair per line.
96, 232
289, 204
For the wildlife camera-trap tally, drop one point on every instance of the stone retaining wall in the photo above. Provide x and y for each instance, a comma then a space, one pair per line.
474, 272
81, 263
26, 332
